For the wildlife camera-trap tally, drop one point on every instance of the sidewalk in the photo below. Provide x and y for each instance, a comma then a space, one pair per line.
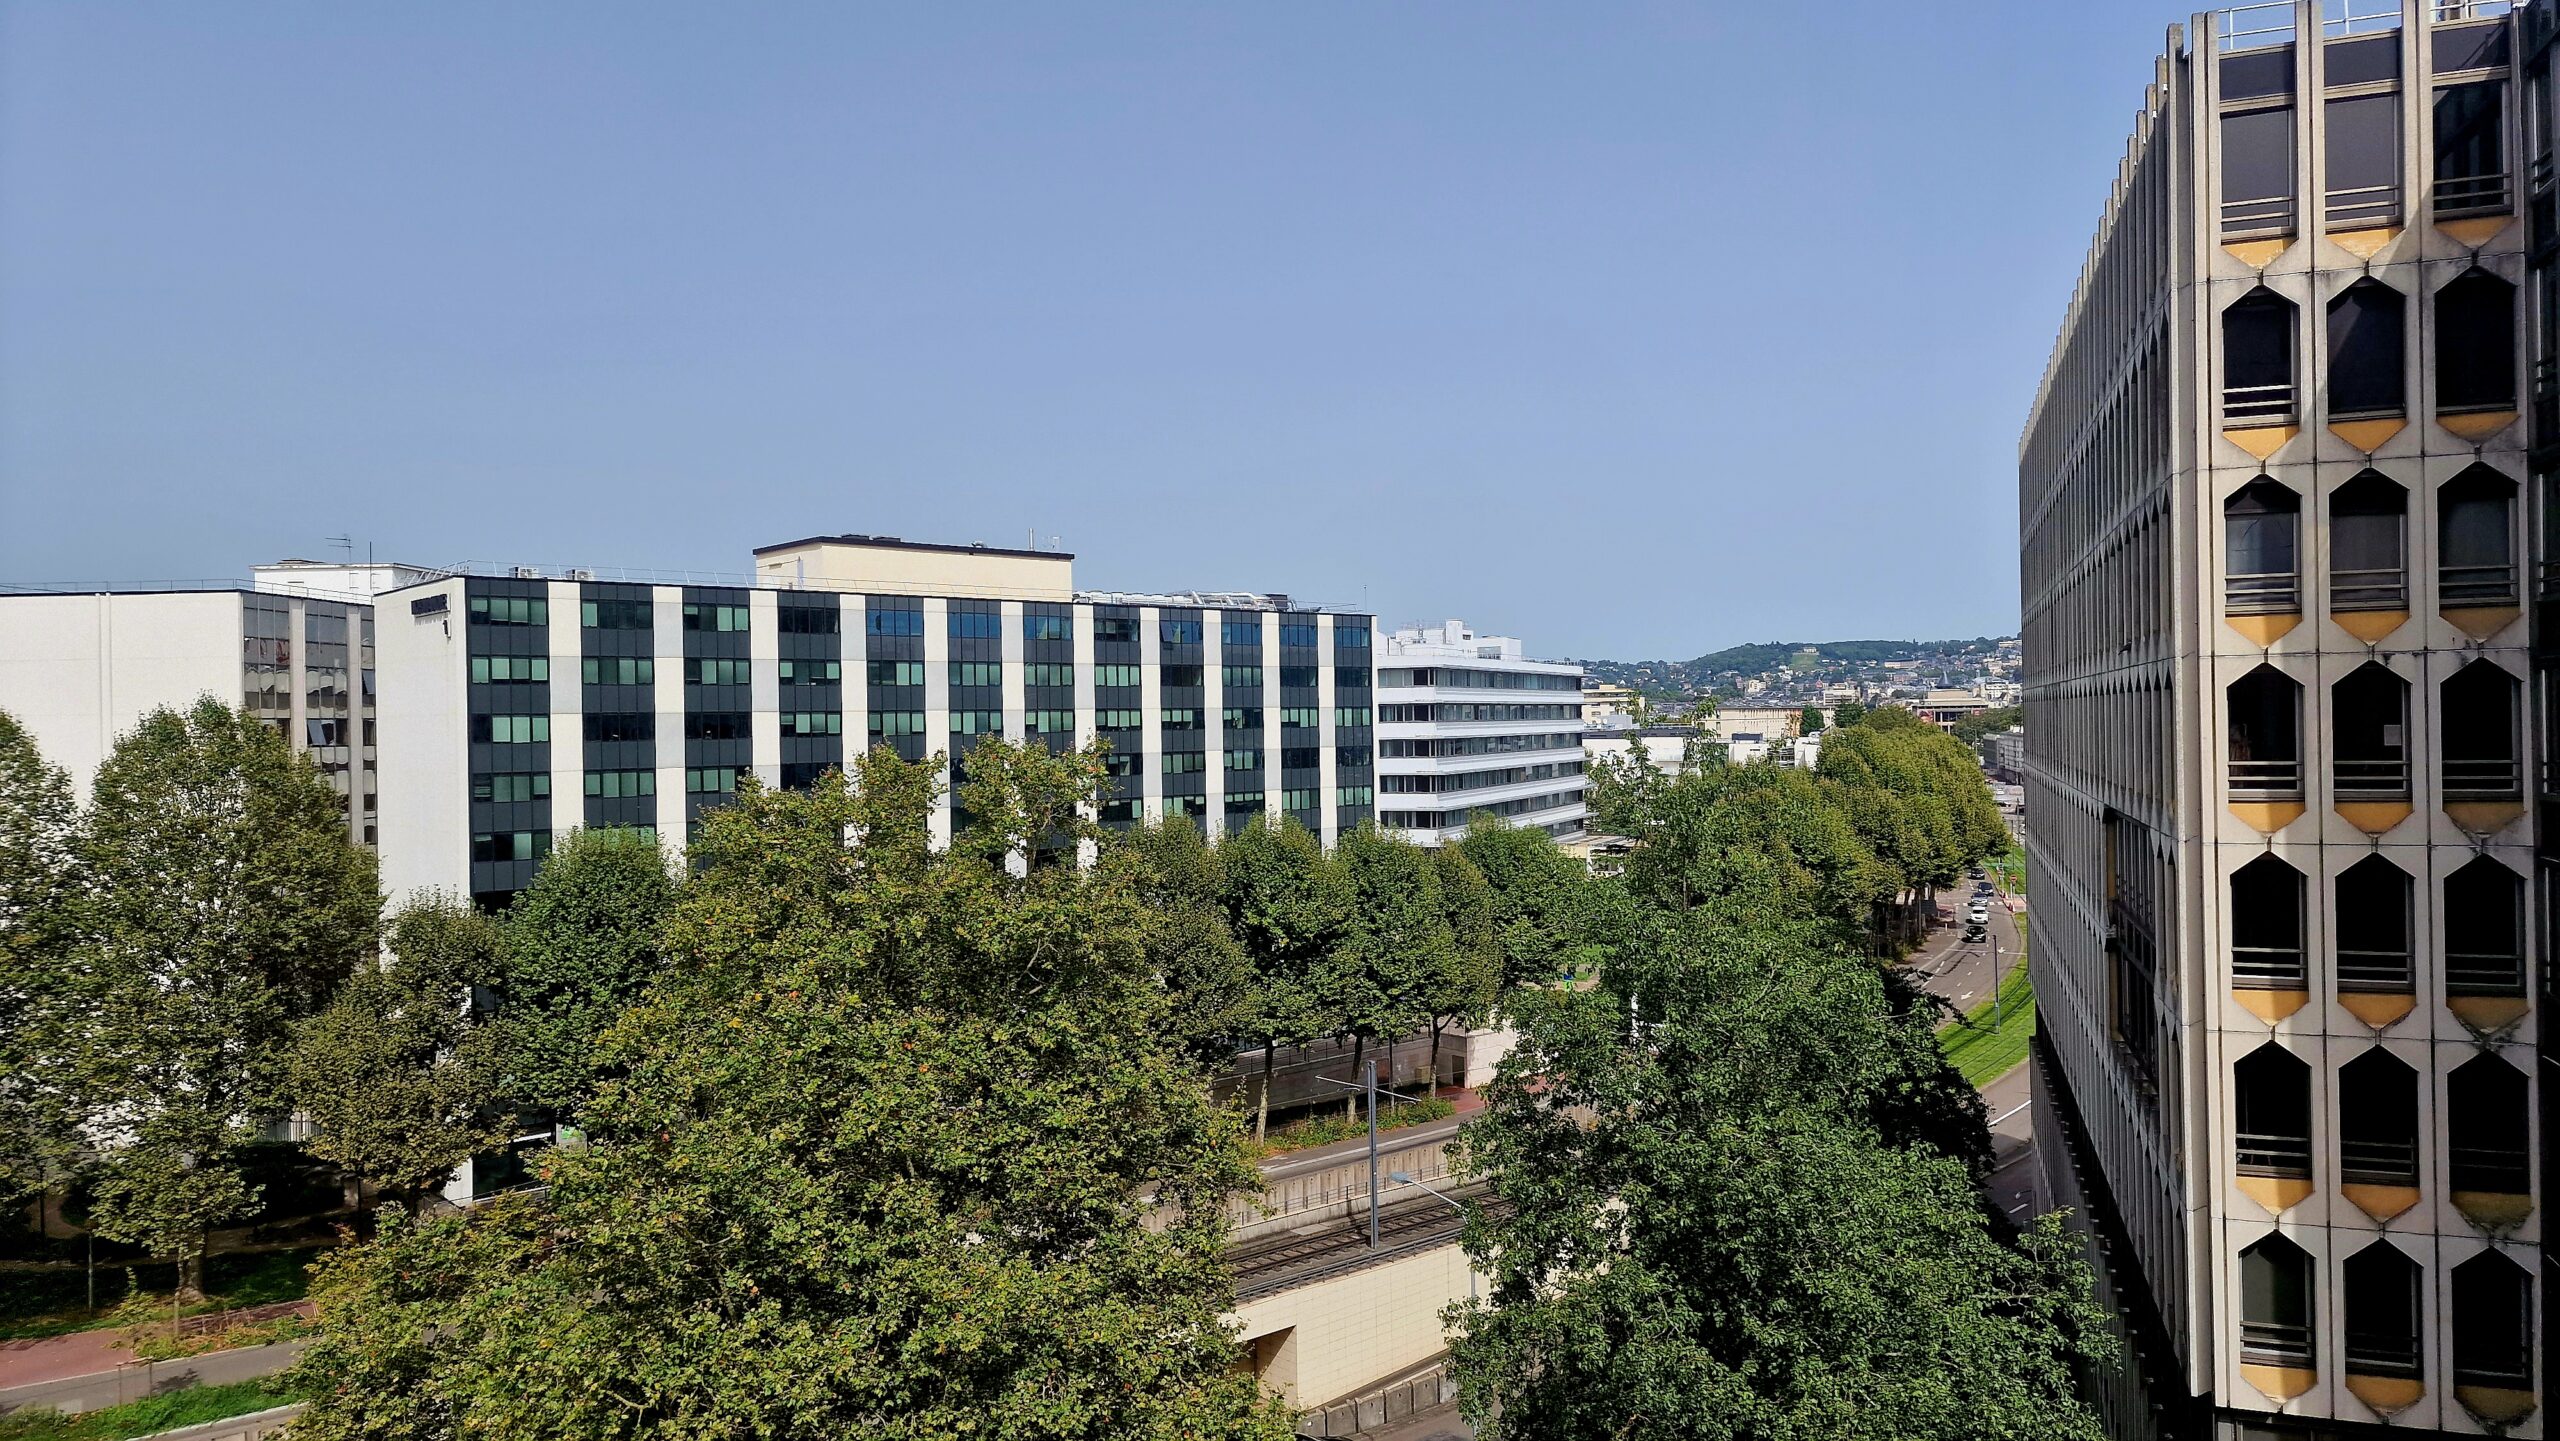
91, 1353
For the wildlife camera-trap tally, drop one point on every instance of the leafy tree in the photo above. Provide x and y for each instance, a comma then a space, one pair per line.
1380, 980
224, 902
1288, 903
1759, 839
37, 823
1542, 900
1916, 795
1467, 985
896, 1148
1191, 946
1809, 721
1973, 728
395, 1074
1724, 1224
579, 945
1848, 713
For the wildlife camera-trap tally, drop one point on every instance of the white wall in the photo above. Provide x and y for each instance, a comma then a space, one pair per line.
80, 670
422, 718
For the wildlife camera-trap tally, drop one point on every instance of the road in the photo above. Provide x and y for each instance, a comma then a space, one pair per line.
137, 1379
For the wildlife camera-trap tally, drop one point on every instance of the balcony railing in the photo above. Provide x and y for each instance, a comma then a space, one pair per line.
2473, 195
2483, 973
2378, 1163
2447, 12
2266, 967
2485, 779
2276, 778
2504, 1170
2359, 207
2275, 1343
2256, 27
2261, 592
2386, 972
2265, 215
2476, 584
2341, 18
2245, 405
2369, 589
2382, 1353
2388, 780
2265, 1155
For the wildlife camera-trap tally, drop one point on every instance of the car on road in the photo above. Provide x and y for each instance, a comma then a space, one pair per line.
1977, 914
1975, 935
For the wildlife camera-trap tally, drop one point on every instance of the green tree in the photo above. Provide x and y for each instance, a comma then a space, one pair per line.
1723, 1222
1468, 983
1973, 728
395, 1074
579, 945
1764, 839
1288, 902
1848, 713
1809, 721
1191, 946
38, 821
1541, 899
897, 1148
223, 902
1379, 982
1917, 796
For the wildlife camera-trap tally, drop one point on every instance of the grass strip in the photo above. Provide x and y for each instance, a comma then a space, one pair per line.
1979, 1053
190, 1407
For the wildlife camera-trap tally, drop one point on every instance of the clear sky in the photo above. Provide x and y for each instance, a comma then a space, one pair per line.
1633, 329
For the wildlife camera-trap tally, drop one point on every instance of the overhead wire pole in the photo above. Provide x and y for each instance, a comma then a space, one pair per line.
1368, 1087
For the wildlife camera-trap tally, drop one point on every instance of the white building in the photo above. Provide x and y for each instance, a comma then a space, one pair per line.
1469, 726
1669, 748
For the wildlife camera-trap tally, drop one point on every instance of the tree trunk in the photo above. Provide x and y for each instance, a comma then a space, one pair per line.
1359, 1043
190, 1258
1262, 1107
1435, 1059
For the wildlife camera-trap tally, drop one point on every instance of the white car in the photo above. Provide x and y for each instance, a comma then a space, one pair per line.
1978, 914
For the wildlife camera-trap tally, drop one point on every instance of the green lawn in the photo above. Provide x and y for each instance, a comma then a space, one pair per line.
1983, 1054
142, 1418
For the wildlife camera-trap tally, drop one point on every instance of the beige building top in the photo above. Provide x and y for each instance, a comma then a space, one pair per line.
886, 565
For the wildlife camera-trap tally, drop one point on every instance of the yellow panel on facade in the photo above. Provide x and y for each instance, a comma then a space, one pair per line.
2487, 1015
2387, 1395
2367, 435
2369, 626
2281, 1383
2256, 253
2374, 817
2277, 1193
2367, 243
2484, 818
2267, 816
2380, 1202
2270, 1006
2264, 630
2481, 621
2261, 440
2493, 1210
2478, 424
2500, 1405
2476, 231
2378, 1009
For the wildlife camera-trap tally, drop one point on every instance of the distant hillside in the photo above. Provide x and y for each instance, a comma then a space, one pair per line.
1720, 669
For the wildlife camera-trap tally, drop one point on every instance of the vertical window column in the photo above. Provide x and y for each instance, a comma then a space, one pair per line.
810, 676
613, 773
506, 637
719, 697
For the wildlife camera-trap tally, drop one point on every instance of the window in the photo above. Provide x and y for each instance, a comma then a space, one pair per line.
2367, 520
1183, 763
1300, 717
712, 781
604, 726
1298, 676
2492, 1317
511, 730
1353, 795
2368, 352
2484, 930
1351, 677
813, 723
2374, 898
2479, 734
511, 846
510, 788
1351, 715
1185, 805
2259, 524
2487, 1130
896, 723
801, 775
1244, 760
2271, 1103
1049, 673
615, 613
716, 726
1240, 634
2266, 734
1049, 722
509, 610
1118, 811
1119, 720
1120, 763
977, 722
2362, 145
1242, 717
1352, 758
2369, 734
1182, 718
2475, 344
614, 785
1176, 677
509, 669
702, 671
1243, 803
895, 622
897, 672
2257, 172
2257, 360
2275, 1304
1048, 627
808, 620
703, 616
1351, 637
2266, 926
2378, 1120
618, 670
1120, 628
976, 625
2471, 149
1299, 800
1108, 677
818, 672
1300, 633
1299, 758
977, 673
1240, 677
1178, 632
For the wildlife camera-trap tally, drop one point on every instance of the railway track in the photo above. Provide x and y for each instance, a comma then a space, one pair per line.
1342, 1246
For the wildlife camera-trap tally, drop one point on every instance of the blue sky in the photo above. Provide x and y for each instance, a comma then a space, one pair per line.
1633, 329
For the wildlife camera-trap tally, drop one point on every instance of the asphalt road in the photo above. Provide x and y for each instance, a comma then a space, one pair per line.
135, 1380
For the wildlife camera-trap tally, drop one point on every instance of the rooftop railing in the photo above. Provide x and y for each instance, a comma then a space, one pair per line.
2255, 27
2372, 589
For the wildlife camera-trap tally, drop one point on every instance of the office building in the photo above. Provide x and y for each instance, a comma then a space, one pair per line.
1468, 726
520, 706
80, 666
2280, 838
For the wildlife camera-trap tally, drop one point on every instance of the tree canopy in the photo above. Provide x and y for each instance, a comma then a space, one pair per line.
38, 822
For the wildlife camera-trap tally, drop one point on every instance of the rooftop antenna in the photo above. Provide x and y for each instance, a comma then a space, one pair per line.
346, 543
